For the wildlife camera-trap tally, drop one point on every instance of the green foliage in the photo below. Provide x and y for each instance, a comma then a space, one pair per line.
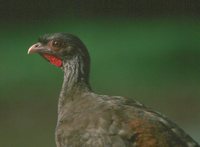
157, 61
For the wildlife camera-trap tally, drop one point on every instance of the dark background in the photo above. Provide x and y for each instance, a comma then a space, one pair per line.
146, 50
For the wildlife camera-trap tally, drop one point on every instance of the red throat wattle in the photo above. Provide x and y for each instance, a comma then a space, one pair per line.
53, 60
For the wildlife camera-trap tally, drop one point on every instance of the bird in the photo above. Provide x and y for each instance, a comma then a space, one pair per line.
88, 119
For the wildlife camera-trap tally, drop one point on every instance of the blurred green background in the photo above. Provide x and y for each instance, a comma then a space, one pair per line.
148, 53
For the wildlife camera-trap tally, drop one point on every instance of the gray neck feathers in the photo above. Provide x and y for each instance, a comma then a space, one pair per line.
76, 79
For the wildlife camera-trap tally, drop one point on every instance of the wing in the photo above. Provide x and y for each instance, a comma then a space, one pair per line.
152, 129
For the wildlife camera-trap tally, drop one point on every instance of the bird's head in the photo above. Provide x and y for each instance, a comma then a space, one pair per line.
59, 48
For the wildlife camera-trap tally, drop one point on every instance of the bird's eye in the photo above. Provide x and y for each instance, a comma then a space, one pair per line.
56, 43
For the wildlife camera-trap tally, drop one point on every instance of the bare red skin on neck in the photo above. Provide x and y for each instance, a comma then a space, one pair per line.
53, 60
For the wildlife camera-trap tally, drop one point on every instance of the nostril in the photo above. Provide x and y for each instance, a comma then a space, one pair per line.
37, 45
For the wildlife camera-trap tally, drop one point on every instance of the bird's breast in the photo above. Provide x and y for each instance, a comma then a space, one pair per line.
91, 125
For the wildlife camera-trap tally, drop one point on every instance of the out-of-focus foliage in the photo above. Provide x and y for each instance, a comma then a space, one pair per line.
154, 61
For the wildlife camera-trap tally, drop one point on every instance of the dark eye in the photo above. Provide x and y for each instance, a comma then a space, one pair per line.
56, 43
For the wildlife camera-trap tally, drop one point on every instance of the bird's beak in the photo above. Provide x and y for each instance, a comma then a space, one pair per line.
37, 48
46, 53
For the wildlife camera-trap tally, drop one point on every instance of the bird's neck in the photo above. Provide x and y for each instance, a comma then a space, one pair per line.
76, 80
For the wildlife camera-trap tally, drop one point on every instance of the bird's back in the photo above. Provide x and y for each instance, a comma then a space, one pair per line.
108, 121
